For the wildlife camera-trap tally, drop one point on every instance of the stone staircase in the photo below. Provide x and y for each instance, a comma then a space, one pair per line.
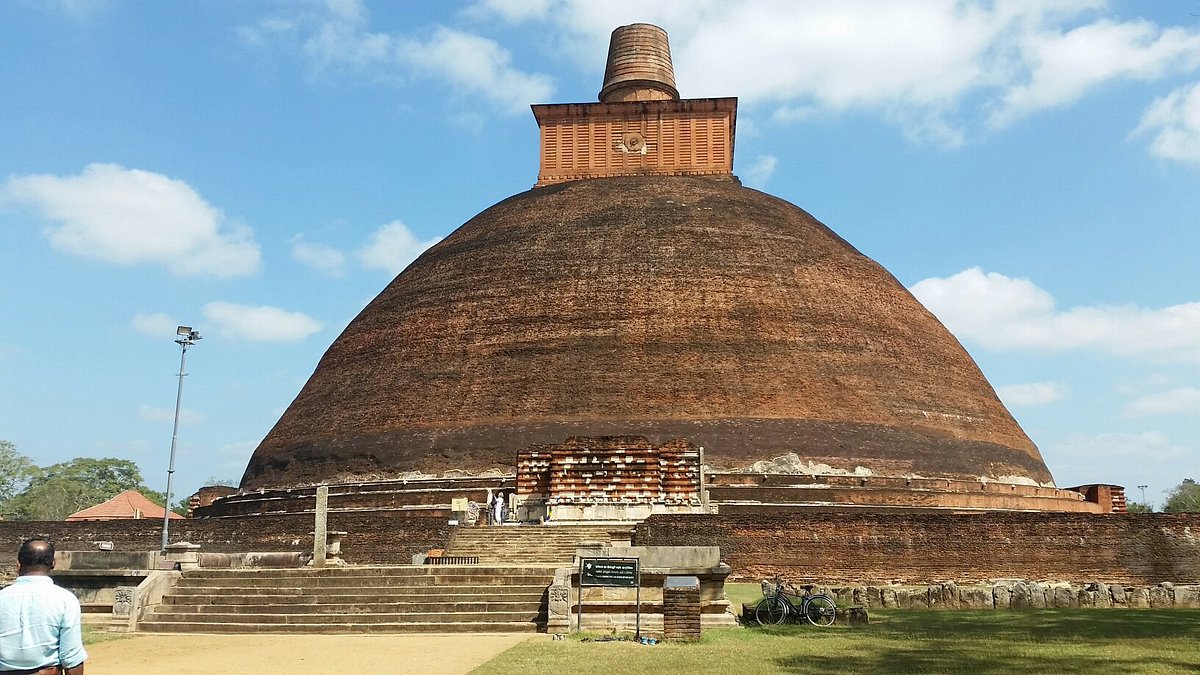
530, 544
411, 599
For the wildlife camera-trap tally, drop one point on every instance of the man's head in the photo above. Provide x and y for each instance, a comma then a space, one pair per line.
36, 556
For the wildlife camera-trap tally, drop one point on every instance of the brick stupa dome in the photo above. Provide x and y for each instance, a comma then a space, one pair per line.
668, 306
640, 289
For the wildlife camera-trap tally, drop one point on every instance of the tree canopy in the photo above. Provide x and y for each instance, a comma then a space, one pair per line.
16, 471
1184, 498
29, 492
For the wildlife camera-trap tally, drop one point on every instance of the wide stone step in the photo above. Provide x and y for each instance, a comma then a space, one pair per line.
368, 572
458, 580
365, 619
343, 628
308, 596
531, 607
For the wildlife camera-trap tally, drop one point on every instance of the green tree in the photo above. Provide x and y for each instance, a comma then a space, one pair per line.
1138, 507
16, 472
1184, 498
61, 489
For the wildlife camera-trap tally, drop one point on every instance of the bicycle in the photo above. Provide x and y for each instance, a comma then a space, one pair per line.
817, 608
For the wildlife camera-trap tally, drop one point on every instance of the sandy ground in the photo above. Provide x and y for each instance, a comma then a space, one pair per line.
295, 654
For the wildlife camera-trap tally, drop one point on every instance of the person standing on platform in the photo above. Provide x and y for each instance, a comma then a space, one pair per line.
498, 508
40, 623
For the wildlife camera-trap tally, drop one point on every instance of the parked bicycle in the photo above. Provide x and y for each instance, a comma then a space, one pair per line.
783, 600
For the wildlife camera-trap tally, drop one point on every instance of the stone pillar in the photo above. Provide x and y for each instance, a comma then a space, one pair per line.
681, 608
320, 526
186, 555
558, 617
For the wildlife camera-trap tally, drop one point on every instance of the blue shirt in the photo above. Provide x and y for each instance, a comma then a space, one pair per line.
39, 625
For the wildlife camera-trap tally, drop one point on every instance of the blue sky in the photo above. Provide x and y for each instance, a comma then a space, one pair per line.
261, 170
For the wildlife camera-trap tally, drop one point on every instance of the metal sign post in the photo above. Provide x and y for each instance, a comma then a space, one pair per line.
619, 572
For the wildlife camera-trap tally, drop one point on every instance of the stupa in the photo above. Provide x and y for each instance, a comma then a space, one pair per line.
639, 307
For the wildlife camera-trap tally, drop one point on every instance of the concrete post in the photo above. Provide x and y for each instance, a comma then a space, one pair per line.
320, 526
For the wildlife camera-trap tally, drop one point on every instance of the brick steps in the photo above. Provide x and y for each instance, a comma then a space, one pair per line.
506, 592
363, 618
432, 598
529, 544
350, 626
304, 596
418, 606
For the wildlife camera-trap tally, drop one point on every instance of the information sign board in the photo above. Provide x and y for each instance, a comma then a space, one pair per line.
609, 572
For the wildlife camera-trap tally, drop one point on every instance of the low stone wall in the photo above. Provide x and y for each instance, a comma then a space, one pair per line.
432, 495
1019, 594
848, 547
372, 538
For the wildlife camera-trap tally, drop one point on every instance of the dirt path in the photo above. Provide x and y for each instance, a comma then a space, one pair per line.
295, 654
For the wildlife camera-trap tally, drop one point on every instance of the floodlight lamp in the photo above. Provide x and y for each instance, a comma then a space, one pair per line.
183, 330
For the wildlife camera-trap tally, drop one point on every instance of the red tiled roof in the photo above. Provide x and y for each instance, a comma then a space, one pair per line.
127, 505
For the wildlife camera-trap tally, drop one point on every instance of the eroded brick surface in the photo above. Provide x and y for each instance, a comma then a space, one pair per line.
670, 307
865, 548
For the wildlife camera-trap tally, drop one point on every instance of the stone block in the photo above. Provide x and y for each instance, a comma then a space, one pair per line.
1040, 595
1138, 597
1002, 596
975, 597
1062, 597
853, 616
1161, 597
1187, 596
887, 598
1117, 595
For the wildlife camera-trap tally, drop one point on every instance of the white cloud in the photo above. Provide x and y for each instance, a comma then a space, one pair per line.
1000, 312
1149, 446
1148, 458
796, 113
259, 324
155, 325
152, 414
467, 62
392, 247
81, 9
511, 11
321, 257
931, 67
129, 216
1175, 123
1031, 393
760, 170
475, 64
1185, 400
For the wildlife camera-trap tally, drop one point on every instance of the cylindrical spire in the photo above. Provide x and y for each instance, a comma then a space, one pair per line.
639, 66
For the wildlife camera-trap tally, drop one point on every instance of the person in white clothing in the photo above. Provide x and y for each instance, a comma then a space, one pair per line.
40, 623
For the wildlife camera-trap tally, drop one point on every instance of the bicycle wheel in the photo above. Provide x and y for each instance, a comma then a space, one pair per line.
819, 610
770, 611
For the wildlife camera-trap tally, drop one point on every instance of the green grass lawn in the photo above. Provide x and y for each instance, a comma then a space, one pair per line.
93, 633
1052, 641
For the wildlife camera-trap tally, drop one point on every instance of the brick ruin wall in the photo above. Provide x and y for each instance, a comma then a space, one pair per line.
824, 546
863, 547
610, 469
374, 538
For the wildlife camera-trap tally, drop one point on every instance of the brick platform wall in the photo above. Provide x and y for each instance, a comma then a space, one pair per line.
841, 547
373, 538
681, 613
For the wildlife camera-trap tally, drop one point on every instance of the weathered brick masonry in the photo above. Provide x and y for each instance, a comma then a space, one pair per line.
373, 538
864, 547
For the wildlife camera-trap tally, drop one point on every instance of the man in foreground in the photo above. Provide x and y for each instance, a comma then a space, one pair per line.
40, 631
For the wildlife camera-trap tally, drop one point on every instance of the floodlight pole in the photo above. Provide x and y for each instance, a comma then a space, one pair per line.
187, 338
1143, 489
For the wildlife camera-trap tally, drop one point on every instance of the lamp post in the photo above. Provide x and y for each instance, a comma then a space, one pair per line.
187, 338
1143, 489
